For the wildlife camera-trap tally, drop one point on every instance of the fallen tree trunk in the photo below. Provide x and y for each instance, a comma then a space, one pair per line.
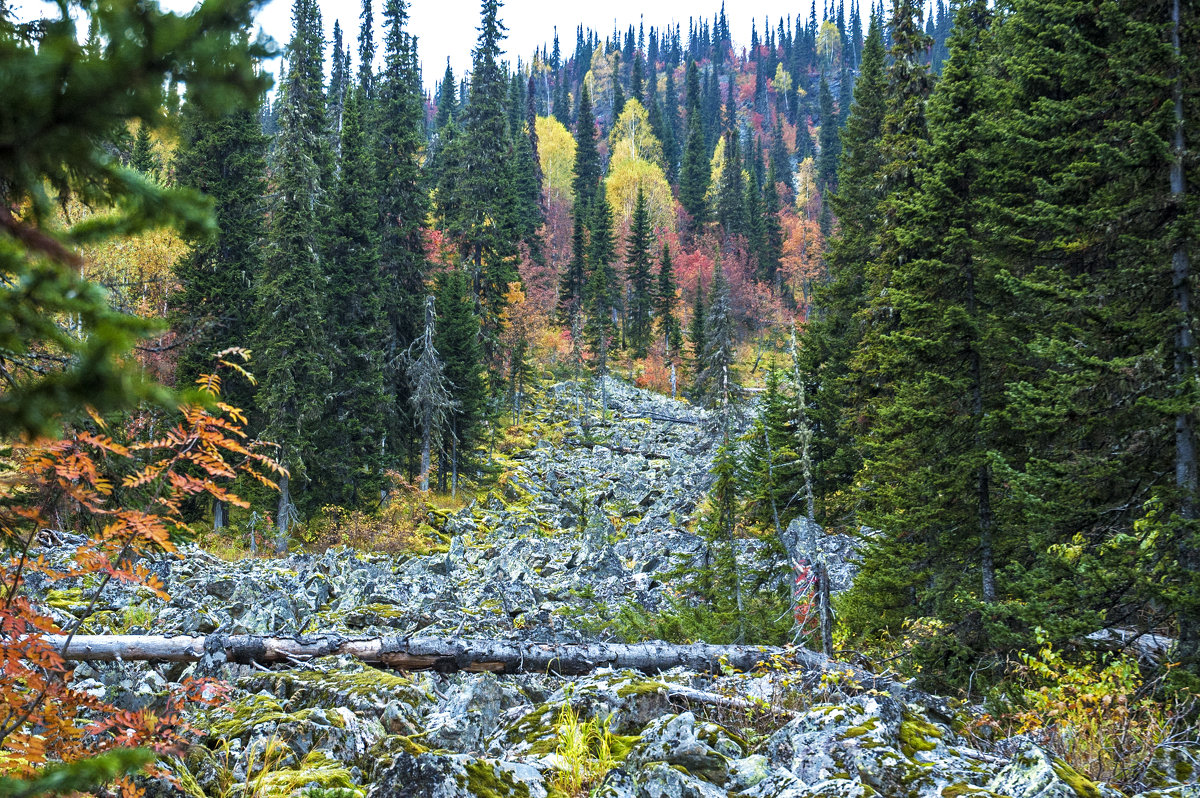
446, 654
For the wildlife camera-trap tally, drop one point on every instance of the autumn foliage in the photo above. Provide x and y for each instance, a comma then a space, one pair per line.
125, 498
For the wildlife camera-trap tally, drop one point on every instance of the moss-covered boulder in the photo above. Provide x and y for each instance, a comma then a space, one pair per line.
438, 775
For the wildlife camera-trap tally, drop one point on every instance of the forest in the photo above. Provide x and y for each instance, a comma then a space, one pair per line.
916, 279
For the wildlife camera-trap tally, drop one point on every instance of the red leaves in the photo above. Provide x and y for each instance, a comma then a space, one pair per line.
69, 485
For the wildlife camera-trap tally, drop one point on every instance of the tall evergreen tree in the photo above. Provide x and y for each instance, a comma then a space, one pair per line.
355, 420
829, 140
731, 190
429, 395
213, 310
666, 307
484, 222
457, 341
694, 176
293, 346
587, 156
366, 50
399, 130
447, 104
603, 290
717, 380
637, 260
833, 332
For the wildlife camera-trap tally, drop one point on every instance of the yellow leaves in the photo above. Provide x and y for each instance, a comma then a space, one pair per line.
782, 81
632, 138
806, 183
625, 176
556, 151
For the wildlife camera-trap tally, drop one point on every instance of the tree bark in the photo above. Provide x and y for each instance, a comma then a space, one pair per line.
1185, 363
446, 654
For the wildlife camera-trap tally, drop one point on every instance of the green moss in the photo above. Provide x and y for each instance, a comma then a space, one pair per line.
251, 712
961, 790
1080, 784
67, 600
641, 688
859, 731
485, 781
917, 735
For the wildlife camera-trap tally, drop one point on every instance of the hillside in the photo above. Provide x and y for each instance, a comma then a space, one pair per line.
527, 562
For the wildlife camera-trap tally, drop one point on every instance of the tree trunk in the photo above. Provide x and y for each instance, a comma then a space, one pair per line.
219, 515
1185, 363
426, 444
285, 508
446, 654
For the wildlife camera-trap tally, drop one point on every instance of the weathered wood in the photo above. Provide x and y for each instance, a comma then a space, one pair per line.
438, 653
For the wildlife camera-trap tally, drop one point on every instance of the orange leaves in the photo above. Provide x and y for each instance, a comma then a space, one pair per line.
72, 485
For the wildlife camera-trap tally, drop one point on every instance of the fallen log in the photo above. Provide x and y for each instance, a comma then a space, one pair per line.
446, 654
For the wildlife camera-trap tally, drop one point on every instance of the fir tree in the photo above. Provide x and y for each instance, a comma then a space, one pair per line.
366, 51
402, 207
574, 277
717, 380
213, 310
354, 426
603, 291
457, 341
696, 332
771, 259
694, 176
833, 333
587, 156
637, 260
485, 222
293, 347
731, 191
447, 100
830, 141
666, 308
143, 158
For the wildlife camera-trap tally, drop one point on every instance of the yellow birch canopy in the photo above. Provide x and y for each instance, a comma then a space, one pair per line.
556, 151
632, 137
625, 176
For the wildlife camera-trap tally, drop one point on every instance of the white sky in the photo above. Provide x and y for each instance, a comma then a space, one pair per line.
447, 28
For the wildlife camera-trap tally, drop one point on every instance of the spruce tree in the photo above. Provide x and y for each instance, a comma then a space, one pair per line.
399, 131
143, 158
447, 104
696, 331
587, 156
637, 260
830, 141
833, 332
457, 342
355, 423
574, 277
429, 394
666, 308
603, 291
694, 176
771, 259
484, 221
366, 51
291, 340
213, 310
717, 380
731, 190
